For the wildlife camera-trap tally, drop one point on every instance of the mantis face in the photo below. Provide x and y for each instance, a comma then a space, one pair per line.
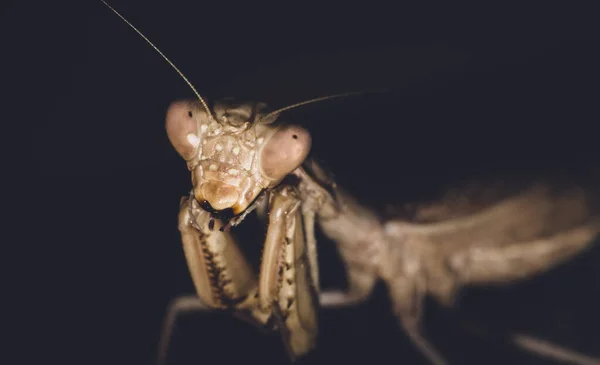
236, 153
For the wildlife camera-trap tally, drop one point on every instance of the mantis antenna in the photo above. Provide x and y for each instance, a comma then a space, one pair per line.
166, 59
204, 104
315, 100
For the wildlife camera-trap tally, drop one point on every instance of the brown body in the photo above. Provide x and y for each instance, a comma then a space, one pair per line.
482, 233
239, 157
486, 232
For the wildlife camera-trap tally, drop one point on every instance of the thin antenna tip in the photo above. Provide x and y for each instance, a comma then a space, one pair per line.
204, 104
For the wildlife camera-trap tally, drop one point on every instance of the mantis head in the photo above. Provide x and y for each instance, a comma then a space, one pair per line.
234, 153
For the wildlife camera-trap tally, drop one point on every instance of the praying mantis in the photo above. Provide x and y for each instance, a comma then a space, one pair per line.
245, 158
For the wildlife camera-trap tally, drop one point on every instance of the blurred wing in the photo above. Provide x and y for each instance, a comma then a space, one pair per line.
497, 234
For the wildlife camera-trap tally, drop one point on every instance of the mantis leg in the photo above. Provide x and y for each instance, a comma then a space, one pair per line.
287, 286
221, 274
286, 292
355, 229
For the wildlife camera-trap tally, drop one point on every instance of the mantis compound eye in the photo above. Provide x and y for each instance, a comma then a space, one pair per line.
284, 151
182, 121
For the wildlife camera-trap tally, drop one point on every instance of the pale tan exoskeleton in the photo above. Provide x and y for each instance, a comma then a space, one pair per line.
242, 158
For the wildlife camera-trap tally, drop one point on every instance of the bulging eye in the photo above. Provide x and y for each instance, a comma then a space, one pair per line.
182, 122
284, 152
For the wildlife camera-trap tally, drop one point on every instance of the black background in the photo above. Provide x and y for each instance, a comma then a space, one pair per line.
470, 89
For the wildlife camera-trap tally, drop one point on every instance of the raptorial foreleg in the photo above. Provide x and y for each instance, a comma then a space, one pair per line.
287, 286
